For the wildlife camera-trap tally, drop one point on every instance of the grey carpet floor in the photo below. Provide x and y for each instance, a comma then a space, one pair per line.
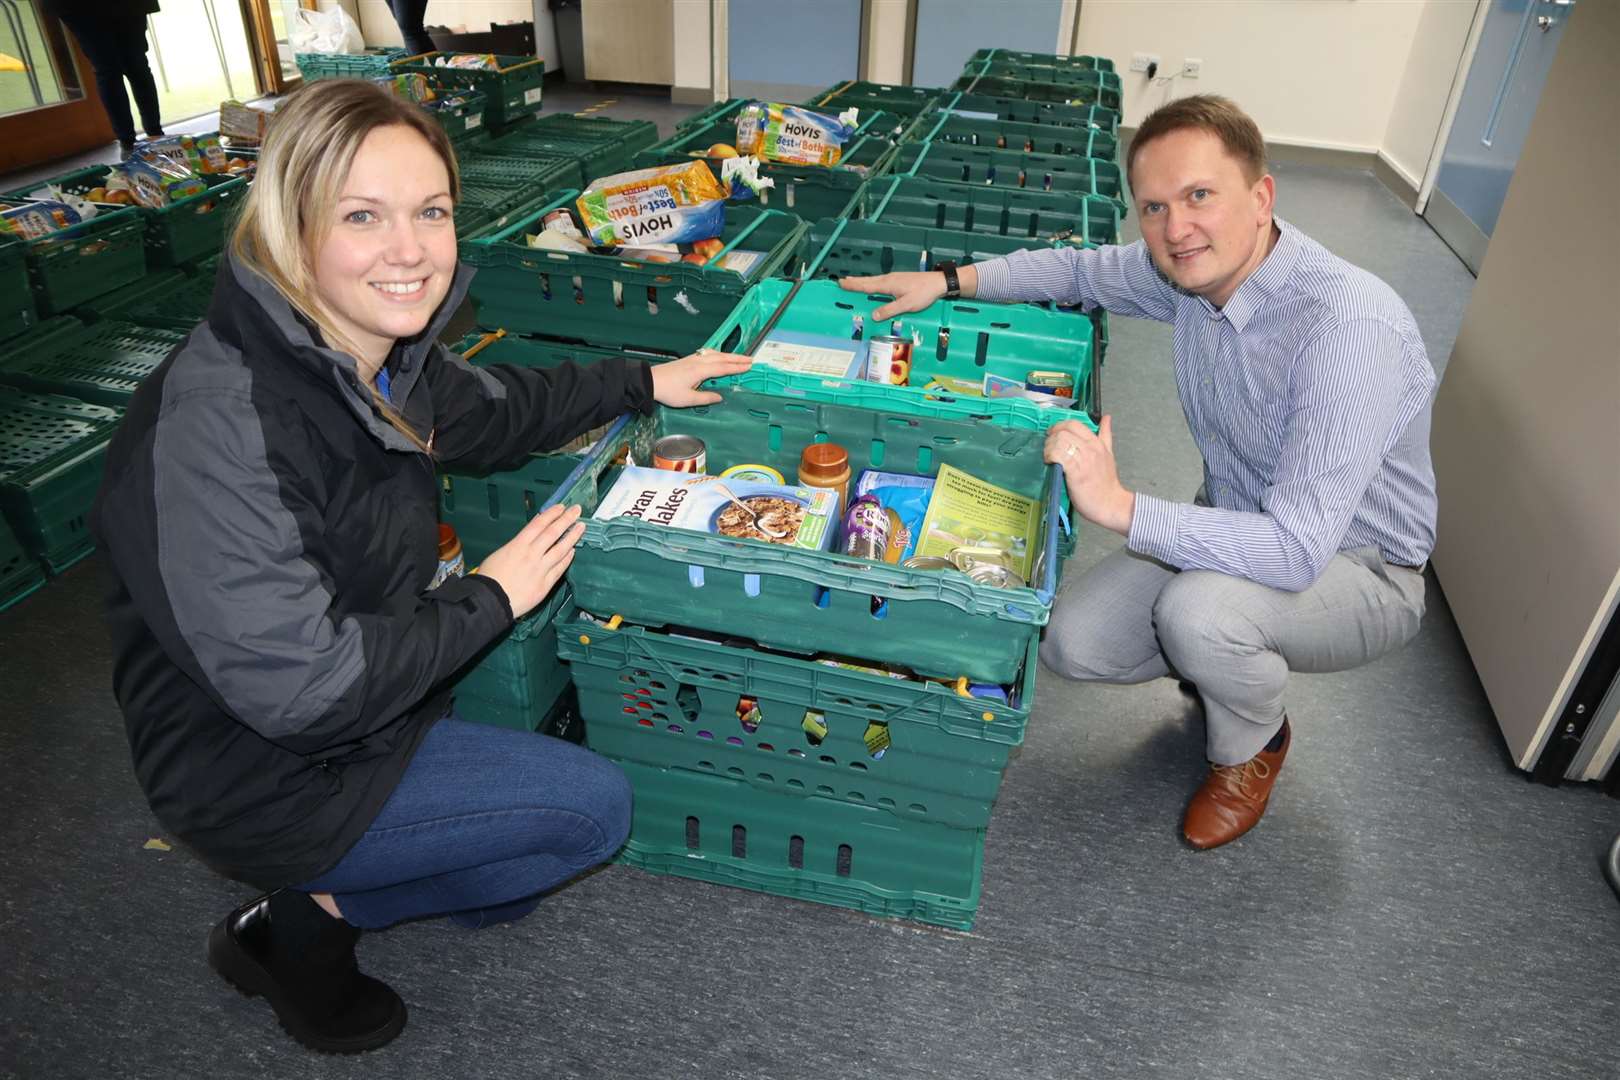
1410, 907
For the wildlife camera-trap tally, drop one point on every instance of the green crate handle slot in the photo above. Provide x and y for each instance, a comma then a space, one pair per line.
756, 556
637, 652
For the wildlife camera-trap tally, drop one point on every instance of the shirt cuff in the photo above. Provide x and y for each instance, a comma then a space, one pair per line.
995, 280
1155, 524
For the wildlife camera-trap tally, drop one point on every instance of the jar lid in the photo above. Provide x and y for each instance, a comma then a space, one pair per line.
823, 459
449, 542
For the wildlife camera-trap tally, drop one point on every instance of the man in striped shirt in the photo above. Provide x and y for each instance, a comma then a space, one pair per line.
1307, 389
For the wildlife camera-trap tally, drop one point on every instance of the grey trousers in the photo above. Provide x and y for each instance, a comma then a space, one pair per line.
1130, 619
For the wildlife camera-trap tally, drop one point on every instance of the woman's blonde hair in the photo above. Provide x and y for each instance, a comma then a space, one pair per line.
292, 204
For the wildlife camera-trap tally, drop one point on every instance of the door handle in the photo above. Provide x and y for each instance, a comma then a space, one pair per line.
1545, 22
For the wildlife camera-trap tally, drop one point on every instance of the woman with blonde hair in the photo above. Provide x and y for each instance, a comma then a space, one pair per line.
268, 523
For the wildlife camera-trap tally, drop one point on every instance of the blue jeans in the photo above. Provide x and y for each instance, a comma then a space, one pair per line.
483, 822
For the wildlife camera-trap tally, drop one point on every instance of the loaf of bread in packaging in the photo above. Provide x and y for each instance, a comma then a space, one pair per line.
791, 135
670, 204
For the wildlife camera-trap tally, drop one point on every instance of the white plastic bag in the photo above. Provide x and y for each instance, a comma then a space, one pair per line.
329, 31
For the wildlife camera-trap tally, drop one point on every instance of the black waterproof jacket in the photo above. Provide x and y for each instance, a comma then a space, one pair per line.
270, 539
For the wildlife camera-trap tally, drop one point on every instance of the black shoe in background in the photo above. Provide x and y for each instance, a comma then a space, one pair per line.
288, 950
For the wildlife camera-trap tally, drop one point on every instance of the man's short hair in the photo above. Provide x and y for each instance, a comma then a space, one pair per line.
1206, 112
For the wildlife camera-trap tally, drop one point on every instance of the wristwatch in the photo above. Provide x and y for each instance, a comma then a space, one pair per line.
953, 284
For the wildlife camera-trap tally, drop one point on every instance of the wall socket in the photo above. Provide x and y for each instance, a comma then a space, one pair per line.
1191, 68
1141, 60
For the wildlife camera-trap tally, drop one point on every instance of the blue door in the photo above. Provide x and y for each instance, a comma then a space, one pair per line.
950, 31
1498, 103
786, 50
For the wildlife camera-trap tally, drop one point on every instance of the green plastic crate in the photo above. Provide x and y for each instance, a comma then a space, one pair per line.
169, 299
602, 147
16, 298
962, 339
518, 678
720, 110
1001, 87
845, 247
609, 300
77, 264
1079, 62
672, 702
901, 101
182, 232
1012, 135
506, 184
461, 114
1083, 86
1034, 112
512, 91
983, 166
543, 352
371, 64
52, 451
809, 191
102, 363
717, 829
1035, 215
939, 624
20, 573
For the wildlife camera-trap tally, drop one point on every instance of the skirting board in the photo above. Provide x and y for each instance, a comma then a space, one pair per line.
1323, 155
691, 95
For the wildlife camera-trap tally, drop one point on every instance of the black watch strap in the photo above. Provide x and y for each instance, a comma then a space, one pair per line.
953, 284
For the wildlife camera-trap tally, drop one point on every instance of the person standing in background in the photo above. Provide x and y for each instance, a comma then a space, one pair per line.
112, 34
408, 14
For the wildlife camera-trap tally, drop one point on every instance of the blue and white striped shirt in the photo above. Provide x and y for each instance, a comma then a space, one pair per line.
1308, 396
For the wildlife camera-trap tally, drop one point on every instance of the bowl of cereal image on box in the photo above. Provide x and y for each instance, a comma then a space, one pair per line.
779, 516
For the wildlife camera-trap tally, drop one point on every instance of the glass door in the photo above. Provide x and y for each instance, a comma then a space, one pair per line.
48, 105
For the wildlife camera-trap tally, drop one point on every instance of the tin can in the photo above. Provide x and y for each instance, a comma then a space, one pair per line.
562, 220
966, 558
866, 529
1056, 383
888, 360
680, 453
762, 474
928, 562
452, 560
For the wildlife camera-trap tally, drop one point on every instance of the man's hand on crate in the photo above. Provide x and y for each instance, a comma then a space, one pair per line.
676, 383
1089, 472
912, 290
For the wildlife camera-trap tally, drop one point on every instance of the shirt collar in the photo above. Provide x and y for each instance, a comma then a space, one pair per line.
1267, 278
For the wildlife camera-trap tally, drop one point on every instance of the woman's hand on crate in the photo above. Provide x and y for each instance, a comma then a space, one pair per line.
529, 566
912, 290
1090, 473
676, 383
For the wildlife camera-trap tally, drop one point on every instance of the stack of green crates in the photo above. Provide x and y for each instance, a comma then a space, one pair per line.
461, 113
102, 363
72, 266
1016, 135
998, 57
903, 102
1033, 81
1000, 211
181, 232
512, 90
599, 147
52, 450
763, 766
371, 64
1032, 112
167, 299
808, 191
986, 166
613, 300
16, 298
503, 184
845, 247
518, 681
20, 573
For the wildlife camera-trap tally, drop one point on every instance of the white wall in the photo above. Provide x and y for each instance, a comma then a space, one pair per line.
378, 26
693, 60
1420, 101
886, 42
1311, 72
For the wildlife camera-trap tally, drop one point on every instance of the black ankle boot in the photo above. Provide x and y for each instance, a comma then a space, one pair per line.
286, 948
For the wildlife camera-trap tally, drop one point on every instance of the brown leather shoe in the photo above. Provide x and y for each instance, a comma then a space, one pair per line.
1233, 797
